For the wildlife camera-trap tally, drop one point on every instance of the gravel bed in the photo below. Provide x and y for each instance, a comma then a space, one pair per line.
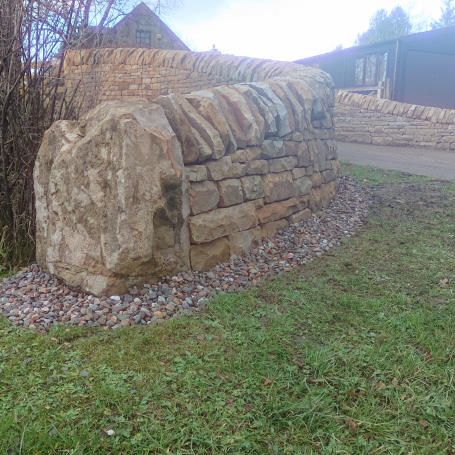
36, 300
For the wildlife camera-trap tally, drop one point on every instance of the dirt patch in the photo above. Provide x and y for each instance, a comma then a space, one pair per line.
411, 201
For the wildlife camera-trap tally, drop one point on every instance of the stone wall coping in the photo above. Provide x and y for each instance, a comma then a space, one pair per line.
412, 111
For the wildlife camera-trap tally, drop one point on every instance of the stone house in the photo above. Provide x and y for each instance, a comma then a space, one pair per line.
141, 27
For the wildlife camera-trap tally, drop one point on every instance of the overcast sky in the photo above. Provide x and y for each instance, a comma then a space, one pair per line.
283, 29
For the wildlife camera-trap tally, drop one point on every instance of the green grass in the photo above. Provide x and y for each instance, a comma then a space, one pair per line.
353, 353
372, 176
6, 271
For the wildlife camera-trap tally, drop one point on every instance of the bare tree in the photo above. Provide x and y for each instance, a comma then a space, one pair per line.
34, 35
447, 17
163, 7
386, 26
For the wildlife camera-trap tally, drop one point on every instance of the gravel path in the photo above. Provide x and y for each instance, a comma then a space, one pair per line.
33, 299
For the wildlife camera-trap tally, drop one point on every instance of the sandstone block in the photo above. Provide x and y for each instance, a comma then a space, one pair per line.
321, 164
304, 156
319, 115
278, 187
282, 164
205, 129
278, 91
231, 192
328, 192
297, 136
282, 116
325, 192
279, 210
328, 176
335, 166
316, 179
291, 148
221, 222
364, 138
207, 255
245, 155
270, 229
272, 149
259, 203
238, 170
204, 196
241, 242
208, 107
114, 217
303, 215
220, 169
247, 127
299, 172
257, 167
315, 200
253, 187
307, 98
303, 186
265, 109
194, 147
297, 110
196, 173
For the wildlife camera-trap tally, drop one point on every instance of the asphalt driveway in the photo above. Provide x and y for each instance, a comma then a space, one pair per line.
433, 163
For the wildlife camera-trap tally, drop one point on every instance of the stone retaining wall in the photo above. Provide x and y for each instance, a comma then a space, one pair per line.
136, 190
370, 120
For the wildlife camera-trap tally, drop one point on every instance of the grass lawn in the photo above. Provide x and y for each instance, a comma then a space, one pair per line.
353, 353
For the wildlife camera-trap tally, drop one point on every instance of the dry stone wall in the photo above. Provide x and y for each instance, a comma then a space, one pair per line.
370, 120
96, 75
240, 198
136, 190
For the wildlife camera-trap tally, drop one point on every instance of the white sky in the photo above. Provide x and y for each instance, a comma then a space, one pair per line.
283, 29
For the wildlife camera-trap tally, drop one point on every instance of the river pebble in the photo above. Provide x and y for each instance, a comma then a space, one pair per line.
36, 300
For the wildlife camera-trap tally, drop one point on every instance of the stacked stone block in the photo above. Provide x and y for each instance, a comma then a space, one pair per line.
256, 157
370, 120
249, 195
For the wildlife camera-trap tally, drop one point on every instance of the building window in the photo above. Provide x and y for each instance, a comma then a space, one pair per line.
359, 70
370, 70
382, 67
143, 38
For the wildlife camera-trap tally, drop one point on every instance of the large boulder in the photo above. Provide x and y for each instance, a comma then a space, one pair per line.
111, 199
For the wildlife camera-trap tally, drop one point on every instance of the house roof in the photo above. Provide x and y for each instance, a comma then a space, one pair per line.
366, 47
